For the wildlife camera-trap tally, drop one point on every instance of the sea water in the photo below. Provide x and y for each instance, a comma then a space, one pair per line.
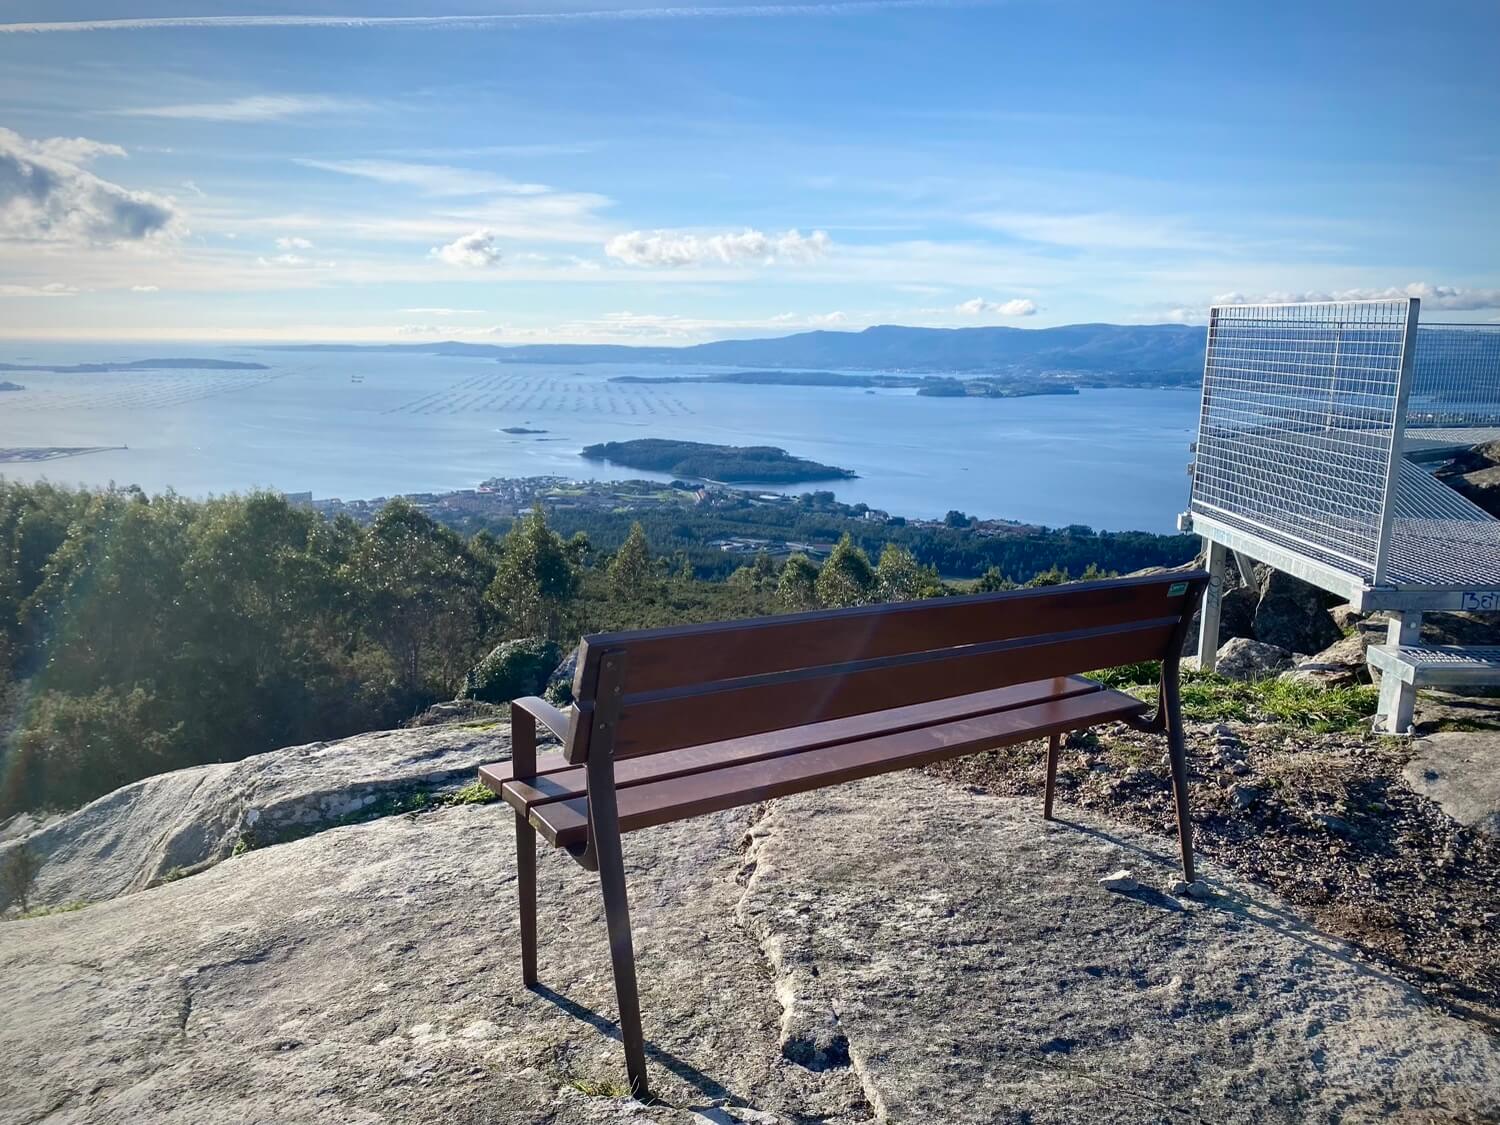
362, 425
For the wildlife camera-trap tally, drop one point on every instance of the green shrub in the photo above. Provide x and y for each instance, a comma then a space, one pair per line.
512, 669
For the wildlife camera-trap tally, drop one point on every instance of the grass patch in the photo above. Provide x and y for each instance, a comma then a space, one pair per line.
598, 1088
473, 793
1210, 698
43, 911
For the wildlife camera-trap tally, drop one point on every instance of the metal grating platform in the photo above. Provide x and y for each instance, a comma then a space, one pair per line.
1429, 442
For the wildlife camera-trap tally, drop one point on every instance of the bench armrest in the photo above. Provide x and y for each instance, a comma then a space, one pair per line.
544, 713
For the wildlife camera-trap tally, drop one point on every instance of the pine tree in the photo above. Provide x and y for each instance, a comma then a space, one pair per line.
630, 574
847, 578
797, 588
899, 577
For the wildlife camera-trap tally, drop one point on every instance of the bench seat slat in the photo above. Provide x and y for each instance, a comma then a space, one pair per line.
564, 821
554, 778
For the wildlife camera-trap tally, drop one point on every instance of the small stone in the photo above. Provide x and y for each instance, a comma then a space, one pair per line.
1181, 888
1243, 796
1121, 880
1335, 824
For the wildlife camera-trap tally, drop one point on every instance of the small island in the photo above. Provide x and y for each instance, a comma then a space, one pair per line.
520, 430
763, 464
931, 386
137, 365
939, 387
780, 379
5, 386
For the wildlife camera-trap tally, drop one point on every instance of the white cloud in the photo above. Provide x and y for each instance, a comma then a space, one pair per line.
746, 247
46, 195
51, 289
145, 288
1448, 298
430, 311
978, 306
294, 262
1100, 231
826, 319
472, 251
261, 107
433, 179
447, 331
293, 244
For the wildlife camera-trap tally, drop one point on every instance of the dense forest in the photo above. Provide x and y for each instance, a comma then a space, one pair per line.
140, 634
957, 548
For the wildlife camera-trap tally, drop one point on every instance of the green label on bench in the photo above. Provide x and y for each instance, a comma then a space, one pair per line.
1176, 589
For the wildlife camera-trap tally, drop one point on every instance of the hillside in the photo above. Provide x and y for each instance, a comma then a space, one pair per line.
1149, 350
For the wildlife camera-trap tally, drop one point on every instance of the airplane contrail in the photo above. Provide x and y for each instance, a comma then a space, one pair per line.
496, 20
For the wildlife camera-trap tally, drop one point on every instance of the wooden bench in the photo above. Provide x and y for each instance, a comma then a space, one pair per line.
675, 723
1404, 668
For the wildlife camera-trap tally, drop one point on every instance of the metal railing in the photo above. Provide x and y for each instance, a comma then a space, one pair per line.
1456, 376
1299, 434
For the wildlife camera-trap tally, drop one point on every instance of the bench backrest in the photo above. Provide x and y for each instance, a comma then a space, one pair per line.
663, 689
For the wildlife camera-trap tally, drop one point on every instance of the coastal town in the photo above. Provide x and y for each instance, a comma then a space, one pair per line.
505, 498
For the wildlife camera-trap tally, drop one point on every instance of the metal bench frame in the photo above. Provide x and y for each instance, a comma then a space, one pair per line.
770, 723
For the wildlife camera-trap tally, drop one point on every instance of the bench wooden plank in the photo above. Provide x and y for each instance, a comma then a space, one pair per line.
551, 783
650, 724
497, 774
693, 654
564, 822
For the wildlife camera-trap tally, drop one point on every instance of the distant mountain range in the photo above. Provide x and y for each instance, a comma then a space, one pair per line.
1151, 350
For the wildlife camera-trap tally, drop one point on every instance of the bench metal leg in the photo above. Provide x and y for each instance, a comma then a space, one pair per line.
1177, 754
621, 950
1052, 746
526, 892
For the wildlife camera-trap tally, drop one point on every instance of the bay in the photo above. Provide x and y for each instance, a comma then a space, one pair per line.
363, 425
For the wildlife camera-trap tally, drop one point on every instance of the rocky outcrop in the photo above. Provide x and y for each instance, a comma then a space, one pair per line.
875, 952
180, 822
1292, 614
1460, 771
1341, 664
1475, 474
1240, 658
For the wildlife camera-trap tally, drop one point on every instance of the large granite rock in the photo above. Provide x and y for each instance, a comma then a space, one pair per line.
882, 952
1291, 614
1240, 658
182, 821
1341, 664
1460, 770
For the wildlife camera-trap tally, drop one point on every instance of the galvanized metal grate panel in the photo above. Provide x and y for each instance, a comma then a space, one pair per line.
1464, 655
1456, 376
1299, 426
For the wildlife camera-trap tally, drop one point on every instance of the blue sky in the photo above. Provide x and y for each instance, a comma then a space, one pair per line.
610, 171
